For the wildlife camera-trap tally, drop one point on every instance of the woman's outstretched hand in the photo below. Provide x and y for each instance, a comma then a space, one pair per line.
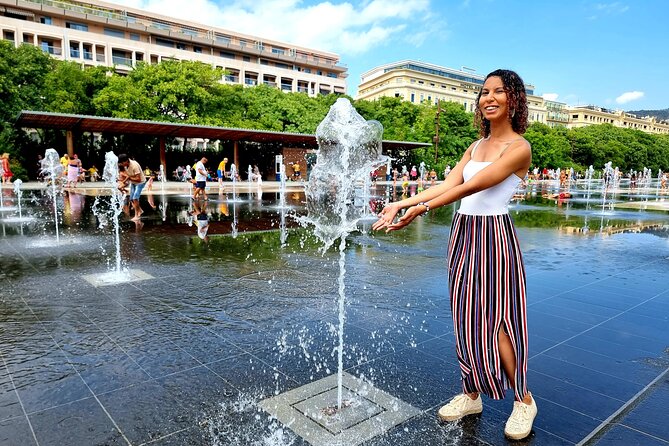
386, 218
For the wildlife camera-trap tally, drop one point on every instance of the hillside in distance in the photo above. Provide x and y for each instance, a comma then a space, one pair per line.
661, 115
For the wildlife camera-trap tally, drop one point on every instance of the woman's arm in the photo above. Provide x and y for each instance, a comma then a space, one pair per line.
517, 157
387, 215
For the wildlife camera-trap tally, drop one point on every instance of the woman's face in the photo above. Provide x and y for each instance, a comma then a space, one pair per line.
493, 102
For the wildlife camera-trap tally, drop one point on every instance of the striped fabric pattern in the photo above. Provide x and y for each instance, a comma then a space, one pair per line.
488, 293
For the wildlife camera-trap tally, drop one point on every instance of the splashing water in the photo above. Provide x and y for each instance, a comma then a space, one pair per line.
282, 186
162, 178
349, 148
52, 170
233, 176
110, 176
19, 193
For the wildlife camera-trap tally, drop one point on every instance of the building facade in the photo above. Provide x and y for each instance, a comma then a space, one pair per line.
418, 82
581, 116
97, 33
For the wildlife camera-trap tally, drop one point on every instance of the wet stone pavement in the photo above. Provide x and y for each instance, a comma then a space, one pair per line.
184, 357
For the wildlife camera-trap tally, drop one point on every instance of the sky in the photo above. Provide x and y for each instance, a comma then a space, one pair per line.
614, 54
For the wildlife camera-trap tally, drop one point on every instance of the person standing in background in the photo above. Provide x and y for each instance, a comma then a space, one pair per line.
131, 172
220, 172
5, 168
200, 179
73, 170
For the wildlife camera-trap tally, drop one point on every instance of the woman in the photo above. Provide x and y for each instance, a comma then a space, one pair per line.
486, 272
73, 169
5, 169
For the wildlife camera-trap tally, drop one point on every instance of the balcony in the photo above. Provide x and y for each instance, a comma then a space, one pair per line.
287, 87
250, 82
74, 53
88, 55
100, 58
120, 60
53, 50
231, 78
270, 83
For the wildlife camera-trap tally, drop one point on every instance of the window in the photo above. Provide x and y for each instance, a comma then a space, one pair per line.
242, 43
227, 54
120, 57
307, 70
88, 55
134, 36
46, 20
574, 116
164, 42
114, 33
223, 39
246, 58
76, 26
8, 35
413, 97
181, 46
282, 65
197, 49
160, 25
263, 62
334, 75
278, 51
74, 50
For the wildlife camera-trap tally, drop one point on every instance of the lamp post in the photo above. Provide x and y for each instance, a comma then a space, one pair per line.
436, 131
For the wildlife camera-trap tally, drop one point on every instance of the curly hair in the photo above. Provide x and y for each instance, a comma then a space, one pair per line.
517, 100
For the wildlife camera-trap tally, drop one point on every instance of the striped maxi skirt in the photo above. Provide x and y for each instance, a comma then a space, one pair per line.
488, 294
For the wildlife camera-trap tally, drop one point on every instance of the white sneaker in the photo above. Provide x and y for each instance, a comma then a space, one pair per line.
460, 406
519, 424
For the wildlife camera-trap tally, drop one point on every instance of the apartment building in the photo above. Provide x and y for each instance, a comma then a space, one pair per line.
98, 33
580, 116
418, 82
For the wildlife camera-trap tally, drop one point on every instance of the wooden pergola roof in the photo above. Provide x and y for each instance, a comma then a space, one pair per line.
100, 124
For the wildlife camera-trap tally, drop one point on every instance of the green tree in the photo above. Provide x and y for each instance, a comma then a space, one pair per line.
176, 91
550, 147
22, 73
69, 89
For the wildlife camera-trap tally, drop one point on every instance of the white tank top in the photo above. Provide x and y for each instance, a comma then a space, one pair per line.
492, 201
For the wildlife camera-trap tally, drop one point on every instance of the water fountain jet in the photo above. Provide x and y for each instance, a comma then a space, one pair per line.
349, 148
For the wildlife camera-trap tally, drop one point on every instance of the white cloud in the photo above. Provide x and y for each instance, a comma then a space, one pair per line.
550, 96
612, 8
349, 27
629, 97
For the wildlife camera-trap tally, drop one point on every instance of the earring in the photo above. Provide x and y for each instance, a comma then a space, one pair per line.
513, 112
